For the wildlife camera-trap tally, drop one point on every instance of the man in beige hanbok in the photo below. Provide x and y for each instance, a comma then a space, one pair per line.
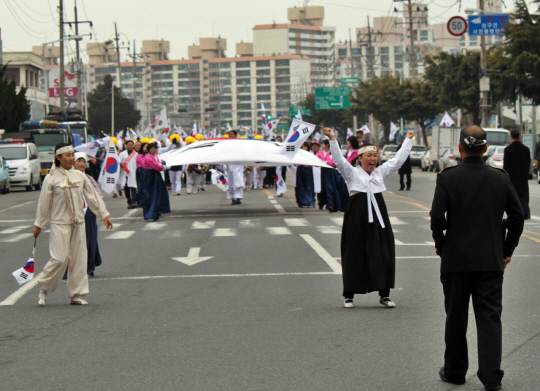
63, 194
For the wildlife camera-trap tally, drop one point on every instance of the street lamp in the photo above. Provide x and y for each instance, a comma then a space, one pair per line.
69, 37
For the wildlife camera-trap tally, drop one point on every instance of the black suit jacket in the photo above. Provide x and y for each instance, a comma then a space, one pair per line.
517, 161
469, 203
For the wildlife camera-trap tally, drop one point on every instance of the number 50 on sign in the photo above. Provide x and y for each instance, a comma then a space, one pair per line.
457, 26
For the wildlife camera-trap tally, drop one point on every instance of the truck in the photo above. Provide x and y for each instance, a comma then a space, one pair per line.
444, 138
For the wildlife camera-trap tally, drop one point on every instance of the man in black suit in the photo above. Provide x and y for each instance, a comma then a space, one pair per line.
517, 162
469, 203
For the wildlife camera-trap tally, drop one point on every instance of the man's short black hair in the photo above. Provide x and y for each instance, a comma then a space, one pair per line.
130, 141
233, 131
473, 140
514, 134
359, 132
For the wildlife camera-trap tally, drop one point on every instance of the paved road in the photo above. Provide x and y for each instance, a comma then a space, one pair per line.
263, 313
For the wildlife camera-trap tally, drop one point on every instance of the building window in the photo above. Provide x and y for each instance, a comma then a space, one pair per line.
283, 71
213, 65
385, 58
398, 49
263, 72
282, 104
398, 57
244, 97
162, 84
243, 89
243, 106
242, 64
398, 65
243, 82
384, 50
224, 64
263, 80
263, 88
342, 52
263, 63
283, 97
244, 114
226, 106
162, 76
283, 88
162, 68
264, 97
243, 73
282, 63
284, 79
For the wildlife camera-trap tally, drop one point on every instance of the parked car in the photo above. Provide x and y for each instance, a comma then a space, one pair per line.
446, 160
425, 162
416, 155
387, 153
24, 164
496, 159
4, 176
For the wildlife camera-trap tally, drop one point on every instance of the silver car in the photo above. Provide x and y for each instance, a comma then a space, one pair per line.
416, 155
425, 162
446, 160
496, 159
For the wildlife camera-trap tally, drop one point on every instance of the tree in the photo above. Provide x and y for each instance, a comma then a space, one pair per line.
99, 109
419, 104
381, 97
14, 107
455, 79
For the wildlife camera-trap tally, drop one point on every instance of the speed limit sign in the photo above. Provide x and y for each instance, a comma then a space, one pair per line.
457, 26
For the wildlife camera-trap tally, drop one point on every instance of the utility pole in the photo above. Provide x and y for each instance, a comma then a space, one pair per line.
413, 51
118, 75
61, 68
483, 63
79, 94
355, 118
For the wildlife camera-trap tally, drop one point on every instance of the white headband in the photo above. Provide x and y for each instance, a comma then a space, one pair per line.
367, 149
62, 150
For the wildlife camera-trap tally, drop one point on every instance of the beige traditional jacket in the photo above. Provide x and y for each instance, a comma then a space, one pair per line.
61, 199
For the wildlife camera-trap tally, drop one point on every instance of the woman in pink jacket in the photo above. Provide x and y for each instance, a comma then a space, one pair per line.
155, 198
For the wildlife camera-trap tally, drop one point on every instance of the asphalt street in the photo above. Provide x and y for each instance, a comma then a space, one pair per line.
248, 297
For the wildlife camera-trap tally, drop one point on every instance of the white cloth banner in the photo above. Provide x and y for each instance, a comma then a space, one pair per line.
393, 131
447, 120
298, 134
91, 148
110, 169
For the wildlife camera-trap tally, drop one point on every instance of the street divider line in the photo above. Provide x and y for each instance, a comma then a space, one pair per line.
23, 290
321, 251
213, 276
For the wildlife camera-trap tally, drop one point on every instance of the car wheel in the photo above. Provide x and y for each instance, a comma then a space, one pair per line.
37, 186
5, 189
30, 187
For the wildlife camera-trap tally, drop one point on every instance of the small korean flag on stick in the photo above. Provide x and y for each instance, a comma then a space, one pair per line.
26, 273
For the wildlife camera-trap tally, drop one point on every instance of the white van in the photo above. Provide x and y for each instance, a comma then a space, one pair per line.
24, 164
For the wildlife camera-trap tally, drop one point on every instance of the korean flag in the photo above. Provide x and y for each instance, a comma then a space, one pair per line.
26, 273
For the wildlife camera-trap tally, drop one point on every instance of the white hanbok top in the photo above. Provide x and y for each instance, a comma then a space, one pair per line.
131, 166
359, 181
235, 176
61, 198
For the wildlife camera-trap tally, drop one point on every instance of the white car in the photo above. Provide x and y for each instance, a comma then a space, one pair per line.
417, 153
387, 153
24, 164
496, 159
446, 160
425, 162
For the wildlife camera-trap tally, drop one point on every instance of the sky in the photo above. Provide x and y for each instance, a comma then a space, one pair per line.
27, 23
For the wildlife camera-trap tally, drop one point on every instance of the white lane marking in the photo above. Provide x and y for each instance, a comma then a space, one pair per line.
171, 235
397, 221
192, 257
224, 232
154, 226
533, 217
16, 206
297, 222
128, 214
249, 223
203, 224
23, 290
115, 225
270, 197
278, 231
330, 229
426, 243
16, 238
217, 276
280, 208
13, 230
121, 235
321, 251
408, 211
273, 202
337, 220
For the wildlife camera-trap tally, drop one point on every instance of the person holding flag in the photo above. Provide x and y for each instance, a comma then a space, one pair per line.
368, 254
61, 203
128, 164
235, 177
155, 200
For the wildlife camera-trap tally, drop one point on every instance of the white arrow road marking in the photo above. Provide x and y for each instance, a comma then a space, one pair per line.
193, 257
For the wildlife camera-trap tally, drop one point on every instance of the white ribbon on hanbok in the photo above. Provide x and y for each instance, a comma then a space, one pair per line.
372, 200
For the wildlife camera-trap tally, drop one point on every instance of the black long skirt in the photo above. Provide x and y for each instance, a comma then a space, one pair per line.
368, 255
155, 198
94, 257
305, 188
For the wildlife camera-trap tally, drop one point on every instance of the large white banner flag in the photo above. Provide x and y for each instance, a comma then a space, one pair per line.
447, 120
393, 131
298, 134
365, 129
109, 169
91, 148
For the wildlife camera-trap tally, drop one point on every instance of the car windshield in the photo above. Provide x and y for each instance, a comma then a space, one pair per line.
497, 138
499, 151
46, 142
392, 148
13, 153
418, 148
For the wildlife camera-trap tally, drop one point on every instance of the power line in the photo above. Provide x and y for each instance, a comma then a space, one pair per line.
20, 23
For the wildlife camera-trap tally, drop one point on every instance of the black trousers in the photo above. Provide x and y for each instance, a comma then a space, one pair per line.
401, 184
131, 195
382, 293
485, 288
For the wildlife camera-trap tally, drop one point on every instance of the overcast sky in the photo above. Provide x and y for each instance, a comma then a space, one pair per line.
182, 22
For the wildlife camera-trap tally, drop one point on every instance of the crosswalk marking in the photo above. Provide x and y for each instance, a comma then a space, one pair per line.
273, 202
203, 224
397, 221
154, 226
121, 235
249, 223
171, 235
297, 222
16, 238
116, 225
330, 229
224, 232
337, 220
13, 230
278, 231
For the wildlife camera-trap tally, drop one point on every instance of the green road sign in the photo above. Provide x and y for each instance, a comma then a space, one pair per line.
332, 98
349, 80
293, 110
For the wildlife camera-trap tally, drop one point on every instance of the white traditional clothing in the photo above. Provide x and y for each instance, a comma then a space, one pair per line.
258, 177
235, 178
176, 181
61, 203
128, 172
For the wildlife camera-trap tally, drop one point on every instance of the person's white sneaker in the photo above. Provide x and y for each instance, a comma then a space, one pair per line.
42, 296
348, 303
387, 302
76, 300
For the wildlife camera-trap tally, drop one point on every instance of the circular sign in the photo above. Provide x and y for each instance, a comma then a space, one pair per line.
457, 26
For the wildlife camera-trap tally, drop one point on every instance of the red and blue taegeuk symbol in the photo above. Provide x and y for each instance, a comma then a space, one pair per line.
222, 179
111, 166
294, 137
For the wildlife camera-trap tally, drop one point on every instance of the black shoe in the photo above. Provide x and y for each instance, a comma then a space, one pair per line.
445, 379
408, 189
401, 189
238, 201
233, 202
492, 388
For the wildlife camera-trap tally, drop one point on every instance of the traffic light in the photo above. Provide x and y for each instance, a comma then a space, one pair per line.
296, 116
269, 117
